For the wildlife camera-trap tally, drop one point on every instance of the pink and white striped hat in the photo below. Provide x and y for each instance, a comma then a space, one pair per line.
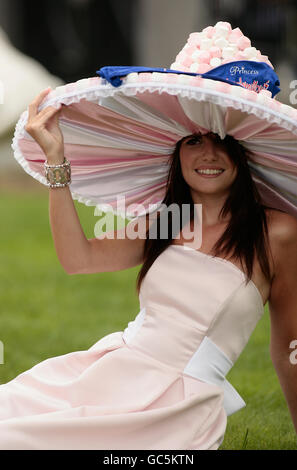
119, 134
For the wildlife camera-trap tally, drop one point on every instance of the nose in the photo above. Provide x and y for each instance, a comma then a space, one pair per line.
209, 149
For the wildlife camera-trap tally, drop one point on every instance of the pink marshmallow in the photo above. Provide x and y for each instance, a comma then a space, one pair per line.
194, 35
194, 42
215, 52
235, 35
191, 49
243, 42
187, 62
183, 68
203, 68
209, 30
239, 56
204, 57
194, 39
238, 32
233, 38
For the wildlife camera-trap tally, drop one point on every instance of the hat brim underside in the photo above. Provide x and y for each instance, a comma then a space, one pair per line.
120, 140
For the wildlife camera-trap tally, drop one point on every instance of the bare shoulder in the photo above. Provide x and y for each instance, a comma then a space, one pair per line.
282, 227
282, 231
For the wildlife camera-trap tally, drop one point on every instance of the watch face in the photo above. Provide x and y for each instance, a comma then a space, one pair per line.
58, 175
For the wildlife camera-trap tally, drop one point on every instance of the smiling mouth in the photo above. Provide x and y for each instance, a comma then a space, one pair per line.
209, 172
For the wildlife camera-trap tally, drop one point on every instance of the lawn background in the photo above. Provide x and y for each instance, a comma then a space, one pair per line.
45, 312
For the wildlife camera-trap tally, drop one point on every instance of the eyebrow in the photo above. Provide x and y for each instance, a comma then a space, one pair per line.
196, 134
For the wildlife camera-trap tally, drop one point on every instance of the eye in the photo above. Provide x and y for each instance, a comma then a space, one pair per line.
195, 139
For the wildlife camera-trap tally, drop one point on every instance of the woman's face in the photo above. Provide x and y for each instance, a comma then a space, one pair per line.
206, 152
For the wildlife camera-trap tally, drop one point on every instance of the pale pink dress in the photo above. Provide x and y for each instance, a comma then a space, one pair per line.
160, 383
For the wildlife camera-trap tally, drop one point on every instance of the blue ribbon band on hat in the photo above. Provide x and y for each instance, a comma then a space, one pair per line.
255, 76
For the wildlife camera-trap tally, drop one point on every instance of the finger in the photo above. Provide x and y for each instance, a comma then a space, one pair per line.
35, 125
46, 114
33, 106
48, 109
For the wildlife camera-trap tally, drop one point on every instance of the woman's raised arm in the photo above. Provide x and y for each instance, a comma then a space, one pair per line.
76, 253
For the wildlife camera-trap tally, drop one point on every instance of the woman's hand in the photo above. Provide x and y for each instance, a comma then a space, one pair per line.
45, 130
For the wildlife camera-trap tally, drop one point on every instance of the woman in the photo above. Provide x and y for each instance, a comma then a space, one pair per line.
179, 402
162, 382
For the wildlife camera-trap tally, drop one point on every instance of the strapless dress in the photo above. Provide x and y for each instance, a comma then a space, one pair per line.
158, 384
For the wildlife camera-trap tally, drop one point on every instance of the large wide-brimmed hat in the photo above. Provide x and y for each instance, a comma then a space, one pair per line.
121, 126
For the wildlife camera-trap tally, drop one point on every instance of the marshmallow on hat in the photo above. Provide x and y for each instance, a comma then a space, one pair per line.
209, 31
201, 56
235, 35
243, 42
250, 52
221, 42
206, 44
229, 52
215, 62
222, 29
215, 51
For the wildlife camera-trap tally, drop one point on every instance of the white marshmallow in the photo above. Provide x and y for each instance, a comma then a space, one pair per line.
206, 44
221, 42
250, 52
195, 55
175, 66
221, 31
194, 67
215, 62
229, 52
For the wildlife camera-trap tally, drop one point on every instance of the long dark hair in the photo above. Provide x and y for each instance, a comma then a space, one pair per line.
246, 232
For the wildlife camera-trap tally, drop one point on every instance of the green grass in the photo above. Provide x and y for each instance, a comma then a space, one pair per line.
44, 312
